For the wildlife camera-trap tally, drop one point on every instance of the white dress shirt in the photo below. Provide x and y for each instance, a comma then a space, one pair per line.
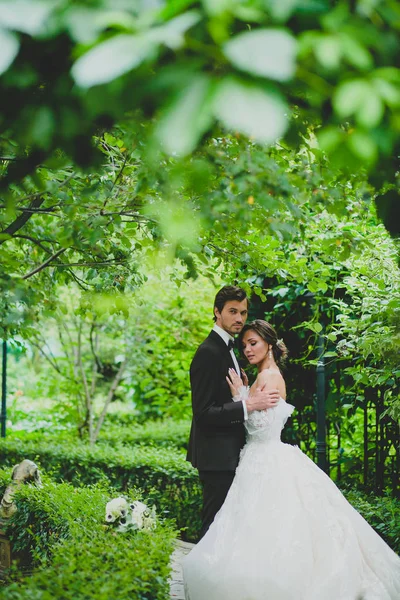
227, 337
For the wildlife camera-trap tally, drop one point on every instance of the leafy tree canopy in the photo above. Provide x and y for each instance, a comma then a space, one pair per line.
232, 203
68, 69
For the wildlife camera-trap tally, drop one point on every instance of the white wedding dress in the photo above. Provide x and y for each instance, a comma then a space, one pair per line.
285, 532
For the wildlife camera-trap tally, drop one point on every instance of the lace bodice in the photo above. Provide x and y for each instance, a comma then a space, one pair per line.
266, 425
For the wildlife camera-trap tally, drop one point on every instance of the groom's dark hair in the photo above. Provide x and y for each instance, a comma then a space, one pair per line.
227, 293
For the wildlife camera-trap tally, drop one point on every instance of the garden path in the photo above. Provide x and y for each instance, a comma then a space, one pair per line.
176, 580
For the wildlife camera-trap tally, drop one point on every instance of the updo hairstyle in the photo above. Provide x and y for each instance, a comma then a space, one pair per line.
268, 334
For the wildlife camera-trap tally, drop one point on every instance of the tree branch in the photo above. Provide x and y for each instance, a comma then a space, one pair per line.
94, 346
80, 282
24, 218
105, 263
37, 201
34, 241
45, 264
96, 362
114, 184
29, 209
110, 396
85, 383
47, 357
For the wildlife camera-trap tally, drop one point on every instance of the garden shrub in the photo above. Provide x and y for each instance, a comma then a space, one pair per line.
382, 512
38, 523
167, 480
163, 336
164, 475
127, 431
83, 558
155, 433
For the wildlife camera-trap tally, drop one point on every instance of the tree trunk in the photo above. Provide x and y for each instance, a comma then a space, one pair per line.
94, 435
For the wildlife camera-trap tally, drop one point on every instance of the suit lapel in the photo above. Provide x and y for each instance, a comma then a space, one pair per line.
223, 348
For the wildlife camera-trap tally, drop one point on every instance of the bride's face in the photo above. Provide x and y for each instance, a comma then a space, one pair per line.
255, 348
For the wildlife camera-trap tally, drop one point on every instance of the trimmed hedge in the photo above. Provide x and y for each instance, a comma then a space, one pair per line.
164, 434
166, 479
155, 433
37, 526
78, 557
164, 475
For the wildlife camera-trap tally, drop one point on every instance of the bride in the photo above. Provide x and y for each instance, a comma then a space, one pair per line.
285, 531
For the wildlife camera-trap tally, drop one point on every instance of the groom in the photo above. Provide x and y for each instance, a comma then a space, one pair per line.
217, 434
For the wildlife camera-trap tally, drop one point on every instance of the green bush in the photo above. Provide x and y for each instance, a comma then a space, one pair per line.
83, 558
154, 433
164, 334
126, 430
164, 475
37, 525
382, 512
167, 480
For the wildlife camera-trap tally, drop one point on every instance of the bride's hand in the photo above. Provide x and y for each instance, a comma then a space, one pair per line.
234, 382
245, 378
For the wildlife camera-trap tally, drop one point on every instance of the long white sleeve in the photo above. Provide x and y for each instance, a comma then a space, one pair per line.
242, 396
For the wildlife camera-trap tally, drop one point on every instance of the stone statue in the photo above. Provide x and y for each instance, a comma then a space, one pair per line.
25, 472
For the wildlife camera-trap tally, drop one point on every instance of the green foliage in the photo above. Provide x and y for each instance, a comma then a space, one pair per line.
87, 348
123, 57
233, 207
169, 481
164, 434
118, 430
77, 555
381, 512
75, 355
164, 476
164, 333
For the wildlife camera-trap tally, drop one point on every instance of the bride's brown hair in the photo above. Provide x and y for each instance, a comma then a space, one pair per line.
268, 334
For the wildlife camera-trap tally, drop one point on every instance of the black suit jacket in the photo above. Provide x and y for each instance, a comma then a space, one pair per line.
217, 433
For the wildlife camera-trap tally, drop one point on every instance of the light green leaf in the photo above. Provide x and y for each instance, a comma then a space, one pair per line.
188, 118
9, 45
251, 110
264, 52
371, 110
389, 92
249, 14
111, 59
356, 54
217, 7
172, 33
85, 24
314, 326
329, 138
349, 96
317, 286
389, 74
328, 51
24, 15
363, 146
281, 9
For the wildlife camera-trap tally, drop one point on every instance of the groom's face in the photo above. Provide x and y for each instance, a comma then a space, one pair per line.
232, 317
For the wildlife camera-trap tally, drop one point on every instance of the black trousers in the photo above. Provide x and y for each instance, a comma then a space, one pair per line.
215, 486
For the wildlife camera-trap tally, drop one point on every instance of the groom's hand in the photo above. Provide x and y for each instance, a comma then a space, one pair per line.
262, 399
